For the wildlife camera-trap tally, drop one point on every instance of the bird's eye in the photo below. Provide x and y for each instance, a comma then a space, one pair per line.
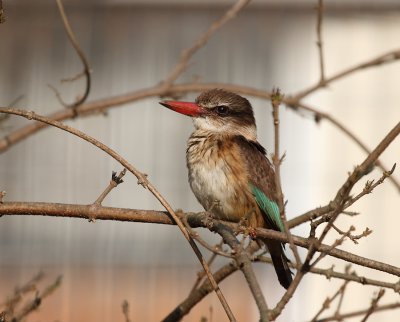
222, 109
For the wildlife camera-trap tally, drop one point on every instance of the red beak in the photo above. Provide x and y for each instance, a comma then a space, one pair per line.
186, 108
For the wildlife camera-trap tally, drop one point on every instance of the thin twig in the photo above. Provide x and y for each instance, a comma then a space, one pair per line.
114, 182
334, 245
30, 115
277, 310
35, 303
201, 274
328, 301
125, 311
353, 238
201, 41
276, 101
386, 58
5, 117
16, 298
320, 15
197, 295
374, 305
243, 261
343, 316
202, 242
370, 186
331, 273
342, 292
340, 126
81, 54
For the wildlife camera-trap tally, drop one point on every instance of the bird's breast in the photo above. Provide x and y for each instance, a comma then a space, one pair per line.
218, 177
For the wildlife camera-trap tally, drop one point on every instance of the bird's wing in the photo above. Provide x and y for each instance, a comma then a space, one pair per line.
261, 181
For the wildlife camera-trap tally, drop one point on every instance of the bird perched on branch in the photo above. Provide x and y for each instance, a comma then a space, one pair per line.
229, 172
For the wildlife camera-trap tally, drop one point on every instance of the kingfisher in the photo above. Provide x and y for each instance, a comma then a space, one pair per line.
229, 171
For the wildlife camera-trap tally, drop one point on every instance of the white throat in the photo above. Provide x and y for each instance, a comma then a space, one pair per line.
207, 124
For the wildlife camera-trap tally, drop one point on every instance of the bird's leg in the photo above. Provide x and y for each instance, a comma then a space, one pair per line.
245, 222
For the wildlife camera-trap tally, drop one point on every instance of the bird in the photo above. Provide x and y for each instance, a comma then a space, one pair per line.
228, 169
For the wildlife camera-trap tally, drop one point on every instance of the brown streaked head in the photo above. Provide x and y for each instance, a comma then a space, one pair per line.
220, 111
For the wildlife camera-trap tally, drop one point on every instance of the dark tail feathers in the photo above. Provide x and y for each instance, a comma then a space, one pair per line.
280, 262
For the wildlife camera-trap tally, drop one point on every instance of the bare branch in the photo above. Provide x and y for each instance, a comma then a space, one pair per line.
205, 288
197, 295
276, 101
243, 261
320, 15
201, 41
353, 238
374, 305
194, 219
35, 303
386, 58
81, 54
328, 301
370, 186
10, 304
343, 316
201, 274
321, 115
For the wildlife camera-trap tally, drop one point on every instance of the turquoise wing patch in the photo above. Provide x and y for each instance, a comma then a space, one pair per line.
269, 207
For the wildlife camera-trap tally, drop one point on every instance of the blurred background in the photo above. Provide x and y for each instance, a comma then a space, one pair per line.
132, 45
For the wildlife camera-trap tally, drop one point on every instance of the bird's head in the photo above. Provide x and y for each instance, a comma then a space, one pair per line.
219, 111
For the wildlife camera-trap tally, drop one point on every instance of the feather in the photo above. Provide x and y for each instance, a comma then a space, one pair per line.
269, 208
